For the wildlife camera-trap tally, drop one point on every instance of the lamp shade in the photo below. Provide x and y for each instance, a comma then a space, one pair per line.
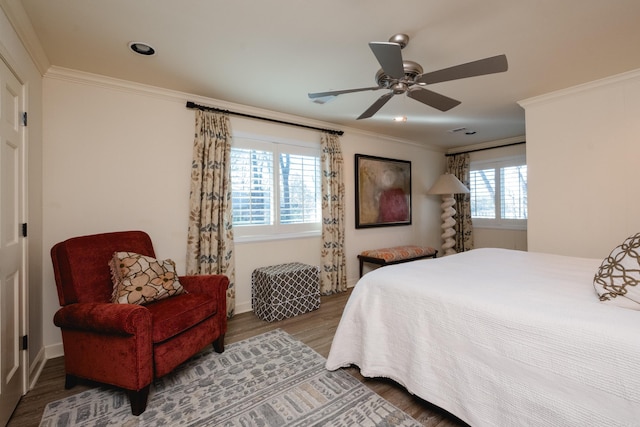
447, 183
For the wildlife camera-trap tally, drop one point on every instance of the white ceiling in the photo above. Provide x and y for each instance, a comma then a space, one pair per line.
270, 54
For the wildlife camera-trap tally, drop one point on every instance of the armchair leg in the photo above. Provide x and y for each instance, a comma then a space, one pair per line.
70, 381
138, 400
218, 344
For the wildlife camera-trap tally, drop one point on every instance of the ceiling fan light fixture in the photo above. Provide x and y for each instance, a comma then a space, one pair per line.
142, 48
399, 88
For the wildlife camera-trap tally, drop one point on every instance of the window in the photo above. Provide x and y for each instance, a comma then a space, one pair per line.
275, 189
499, 193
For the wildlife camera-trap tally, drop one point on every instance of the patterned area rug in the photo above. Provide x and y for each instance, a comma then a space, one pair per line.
271, 380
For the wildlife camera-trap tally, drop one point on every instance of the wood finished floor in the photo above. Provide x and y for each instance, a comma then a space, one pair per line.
316, 329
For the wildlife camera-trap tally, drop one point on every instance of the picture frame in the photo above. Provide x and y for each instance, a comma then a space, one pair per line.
383, 191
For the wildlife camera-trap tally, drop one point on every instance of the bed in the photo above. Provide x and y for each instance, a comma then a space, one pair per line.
498, 338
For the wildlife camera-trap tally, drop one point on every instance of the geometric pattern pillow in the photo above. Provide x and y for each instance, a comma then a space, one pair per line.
139, 279
616, 281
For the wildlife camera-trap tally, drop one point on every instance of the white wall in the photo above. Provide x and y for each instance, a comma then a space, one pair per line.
15, 55
117, 156
500, 238
583, 152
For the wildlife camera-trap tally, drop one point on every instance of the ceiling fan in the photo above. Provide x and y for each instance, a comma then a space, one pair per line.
402, 76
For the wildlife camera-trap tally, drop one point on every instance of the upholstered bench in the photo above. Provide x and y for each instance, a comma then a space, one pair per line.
396, 255
285, 290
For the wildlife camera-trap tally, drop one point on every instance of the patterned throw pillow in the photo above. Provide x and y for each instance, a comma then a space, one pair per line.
139, 279
616, 281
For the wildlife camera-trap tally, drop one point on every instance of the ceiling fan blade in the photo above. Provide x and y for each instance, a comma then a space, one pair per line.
389, 56
494, 64
340, 92
432, 99
376, 106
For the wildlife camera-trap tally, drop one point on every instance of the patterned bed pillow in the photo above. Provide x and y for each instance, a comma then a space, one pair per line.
139, 279
616, 281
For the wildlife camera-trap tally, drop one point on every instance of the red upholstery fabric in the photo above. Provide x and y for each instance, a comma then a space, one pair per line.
106, 318
128, 345
123, 361
169, 354
79, 263
175, 315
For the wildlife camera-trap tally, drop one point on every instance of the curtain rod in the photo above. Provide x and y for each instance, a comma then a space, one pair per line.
487, 148
194, 106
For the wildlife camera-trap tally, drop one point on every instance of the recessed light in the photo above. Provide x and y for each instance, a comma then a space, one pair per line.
142, 48
400, 119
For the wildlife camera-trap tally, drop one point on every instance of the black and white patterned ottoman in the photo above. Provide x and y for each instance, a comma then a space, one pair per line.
285, 290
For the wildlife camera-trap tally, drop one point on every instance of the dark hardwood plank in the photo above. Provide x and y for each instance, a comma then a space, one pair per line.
316, 329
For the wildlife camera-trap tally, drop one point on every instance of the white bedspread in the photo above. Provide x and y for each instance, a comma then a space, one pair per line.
498, 338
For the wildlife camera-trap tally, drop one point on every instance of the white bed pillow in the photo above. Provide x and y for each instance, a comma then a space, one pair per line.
616, 281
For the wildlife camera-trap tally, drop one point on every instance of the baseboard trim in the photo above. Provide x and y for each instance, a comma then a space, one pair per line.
53, 351
35, 368
243, 308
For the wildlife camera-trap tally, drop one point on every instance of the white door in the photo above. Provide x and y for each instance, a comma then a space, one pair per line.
12, 244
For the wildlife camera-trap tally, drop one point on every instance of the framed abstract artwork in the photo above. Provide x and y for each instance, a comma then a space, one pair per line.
383, 191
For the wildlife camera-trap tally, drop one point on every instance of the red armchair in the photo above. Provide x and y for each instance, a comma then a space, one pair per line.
128, 345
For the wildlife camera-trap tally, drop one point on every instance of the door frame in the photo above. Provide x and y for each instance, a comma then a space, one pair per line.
23, 297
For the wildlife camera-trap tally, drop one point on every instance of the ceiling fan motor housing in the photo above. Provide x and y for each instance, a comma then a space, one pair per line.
411, 71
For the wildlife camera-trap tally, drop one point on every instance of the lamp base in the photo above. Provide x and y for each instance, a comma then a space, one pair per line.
448, 201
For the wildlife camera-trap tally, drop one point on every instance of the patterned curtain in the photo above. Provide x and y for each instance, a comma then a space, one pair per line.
459, 165
210, 236
333, 272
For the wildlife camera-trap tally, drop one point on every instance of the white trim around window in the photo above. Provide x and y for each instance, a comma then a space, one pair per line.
496, 221
275, 230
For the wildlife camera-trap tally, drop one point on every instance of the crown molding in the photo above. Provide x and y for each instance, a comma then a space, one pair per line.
24, 29
96, 80
615, 79
489, 144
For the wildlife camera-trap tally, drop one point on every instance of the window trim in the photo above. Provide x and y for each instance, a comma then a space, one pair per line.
257, 233
499, 223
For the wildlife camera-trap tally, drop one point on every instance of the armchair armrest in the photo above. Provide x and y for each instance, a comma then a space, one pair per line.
106, 318
214, 285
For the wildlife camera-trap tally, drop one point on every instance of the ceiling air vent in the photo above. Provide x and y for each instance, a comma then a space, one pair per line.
456, 130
